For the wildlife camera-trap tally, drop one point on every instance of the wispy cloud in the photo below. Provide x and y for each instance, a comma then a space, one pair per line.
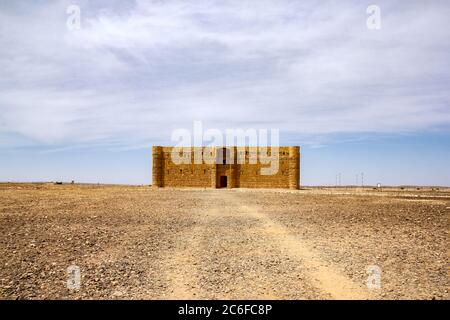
132, 74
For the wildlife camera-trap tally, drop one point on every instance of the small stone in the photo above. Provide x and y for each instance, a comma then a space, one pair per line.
118, 293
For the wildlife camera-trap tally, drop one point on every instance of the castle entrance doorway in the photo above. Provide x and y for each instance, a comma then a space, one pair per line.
223, 182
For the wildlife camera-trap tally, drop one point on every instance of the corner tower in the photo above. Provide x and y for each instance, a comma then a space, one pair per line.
294, 167
158, 166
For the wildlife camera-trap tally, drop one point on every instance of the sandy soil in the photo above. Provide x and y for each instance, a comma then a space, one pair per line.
144, 243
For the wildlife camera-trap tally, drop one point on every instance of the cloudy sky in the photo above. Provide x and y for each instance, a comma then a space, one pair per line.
88, 103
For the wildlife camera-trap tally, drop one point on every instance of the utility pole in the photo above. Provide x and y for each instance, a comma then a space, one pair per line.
339, 179
362, 179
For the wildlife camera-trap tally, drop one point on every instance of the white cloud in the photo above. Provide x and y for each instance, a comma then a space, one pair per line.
131, 75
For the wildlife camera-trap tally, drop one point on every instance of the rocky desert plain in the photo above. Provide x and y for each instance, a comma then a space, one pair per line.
139, 242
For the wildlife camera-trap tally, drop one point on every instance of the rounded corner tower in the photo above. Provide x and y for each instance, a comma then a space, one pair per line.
294, 167
158, 166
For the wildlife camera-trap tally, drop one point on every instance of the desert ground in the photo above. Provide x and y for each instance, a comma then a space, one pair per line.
138, 242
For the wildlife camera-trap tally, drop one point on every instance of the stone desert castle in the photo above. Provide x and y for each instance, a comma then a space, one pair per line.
226, 167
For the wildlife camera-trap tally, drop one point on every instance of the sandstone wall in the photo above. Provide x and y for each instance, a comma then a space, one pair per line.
245, 174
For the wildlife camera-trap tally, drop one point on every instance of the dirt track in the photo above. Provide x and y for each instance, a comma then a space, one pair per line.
142, 243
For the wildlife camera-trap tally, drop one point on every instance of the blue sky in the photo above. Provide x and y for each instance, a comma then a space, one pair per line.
88, 104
